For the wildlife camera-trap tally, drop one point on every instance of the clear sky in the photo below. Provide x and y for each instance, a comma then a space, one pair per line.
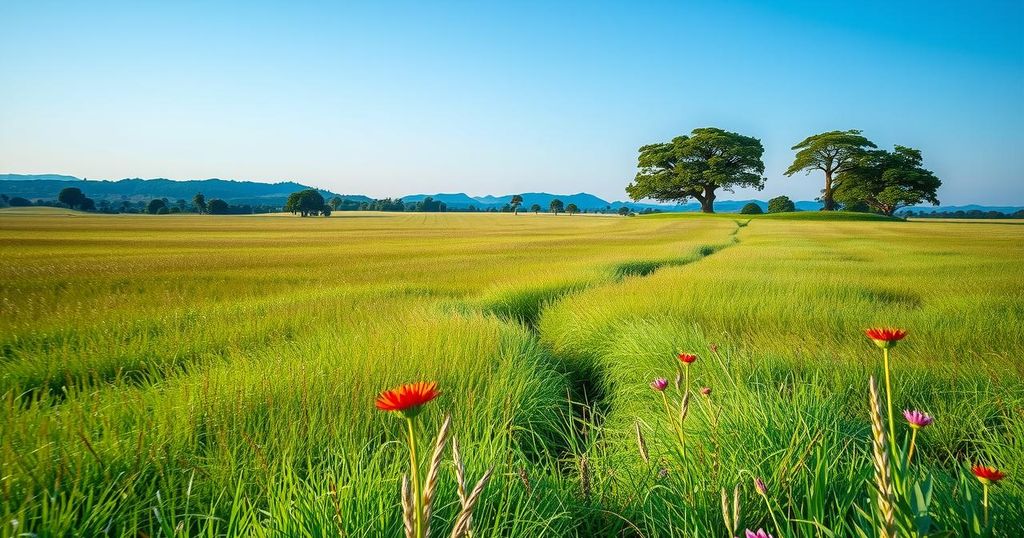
493, 98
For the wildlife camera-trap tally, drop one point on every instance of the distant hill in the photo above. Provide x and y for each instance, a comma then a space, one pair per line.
37, 177
233, 192
47, 186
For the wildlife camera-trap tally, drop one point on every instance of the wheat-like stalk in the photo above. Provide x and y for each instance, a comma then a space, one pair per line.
460, 471
525, 479
736, 509
432, 473
585, 477
462, 523
725, 513
642, 444
881, 462
407, 508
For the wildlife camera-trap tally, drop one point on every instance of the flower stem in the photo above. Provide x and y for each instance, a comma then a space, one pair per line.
984, 501
913, 437
672, 420
778, 529
888, 397
418, 496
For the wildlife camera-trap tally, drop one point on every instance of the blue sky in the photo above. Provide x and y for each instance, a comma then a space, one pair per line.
493, 98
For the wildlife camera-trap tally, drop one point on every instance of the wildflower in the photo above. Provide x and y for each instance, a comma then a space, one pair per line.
885, 337
918, 419
706, 391
407, 399
687, 358
760, 487
659, 384
761, 533
987, 475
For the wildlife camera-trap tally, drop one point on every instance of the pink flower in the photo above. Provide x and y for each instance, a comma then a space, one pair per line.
759, 486
918, 419
761, 533
659, 384
706, 391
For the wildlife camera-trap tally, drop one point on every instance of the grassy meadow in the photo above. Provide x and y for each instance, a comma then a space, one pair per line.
209, 376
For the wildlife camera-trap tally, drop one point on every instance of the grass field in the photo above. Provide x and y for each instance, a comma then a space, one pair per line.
189, 375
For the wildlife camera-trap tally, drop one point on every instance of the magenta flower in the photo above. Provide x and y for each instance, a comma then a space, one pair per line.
760, 487
659, 384
706, 391
918, 419
761, 533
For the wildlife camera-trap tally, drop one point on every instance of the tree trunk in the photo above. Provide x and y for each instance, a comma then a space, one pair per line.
826, 198
707, 203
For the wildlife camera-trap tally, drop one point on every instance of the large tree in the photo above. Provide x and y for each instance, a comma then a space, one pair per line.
697, 165
71, 196
888, 180
834, 153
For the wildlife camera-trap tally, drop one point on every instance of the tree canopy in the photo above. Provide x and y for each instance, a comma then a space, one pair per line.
556, 205
888, 180
71, 196
535, 208
572, 209
305, 202
781, 204
199, 200
695, 166
834, 153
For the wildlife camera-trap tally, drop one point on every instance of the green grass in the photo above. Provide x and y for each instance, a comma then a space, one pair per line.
215, 375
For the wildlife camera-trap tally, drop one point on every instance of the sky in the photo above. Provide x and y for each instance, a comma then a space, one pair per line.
394, 98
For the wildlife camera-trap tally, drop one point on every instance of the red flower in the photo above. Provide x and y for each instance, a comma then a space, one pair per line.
408, 398
987, 475
687, 358
885, 337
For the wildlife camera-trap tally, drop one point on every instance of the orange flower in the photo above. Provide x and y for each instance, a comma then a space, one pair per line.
407, 399
687, 358
885, 337
987, 475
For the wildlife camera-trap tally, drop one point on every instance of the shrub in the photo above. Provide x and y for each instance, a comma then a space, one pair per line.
781, 204
751, 209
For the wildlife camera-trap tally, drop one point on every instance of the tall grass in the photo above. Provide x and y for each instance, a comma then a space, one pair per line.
215, 375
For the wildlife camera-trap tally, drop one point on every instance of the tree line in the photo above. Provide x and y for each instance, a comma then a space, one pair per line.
857, 174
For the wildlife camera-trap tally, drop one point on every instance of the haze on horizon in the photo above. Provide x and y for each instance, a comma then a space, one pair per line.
389, 99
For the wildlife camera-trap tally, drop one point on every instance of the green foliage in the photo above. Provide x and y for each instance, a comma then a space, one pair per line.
306, 202
217, 206
556, 205
535, 208
517, 200
155, 206
886, 181
781, 204
199, 201
697, 165
572, 209
624, 210
832, 152
71, 197
751, 209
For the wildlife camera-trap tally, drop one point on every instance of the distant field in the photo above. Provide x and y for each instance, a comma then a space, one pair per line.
200, 375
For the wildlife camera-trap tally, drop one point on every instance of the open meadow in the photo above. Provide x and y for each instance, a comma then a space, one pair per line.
216, 375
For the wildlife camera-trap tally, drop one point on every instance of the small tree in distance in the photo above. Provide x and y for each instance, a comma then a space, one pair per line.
217, 207
155, 205
781, 204
624, 210
572, 209
535, 208
200, 202
556, 206
517, 200
751, 209
71, 197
